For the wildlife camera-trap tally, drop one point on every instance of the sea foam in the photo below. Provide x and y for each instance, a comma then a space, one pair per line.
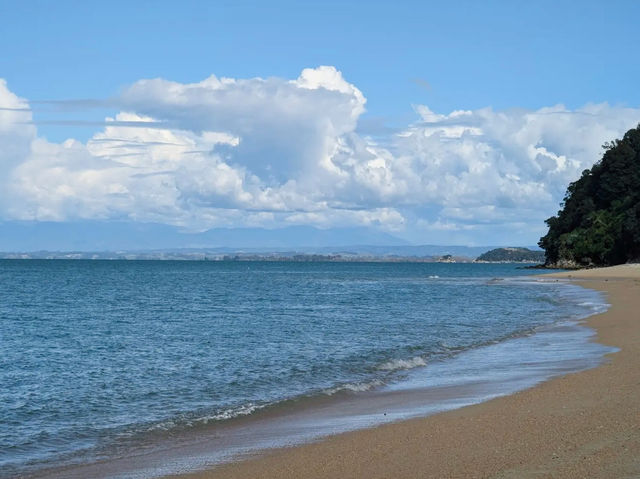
396, 364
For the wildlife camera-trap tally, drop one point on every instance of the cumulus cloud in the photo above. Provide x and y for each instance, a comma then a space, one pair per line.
271, 152
16, 130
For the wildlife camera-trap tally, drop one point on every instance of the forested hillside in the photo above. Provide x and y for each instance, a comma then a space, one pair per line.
599, 223
517, 255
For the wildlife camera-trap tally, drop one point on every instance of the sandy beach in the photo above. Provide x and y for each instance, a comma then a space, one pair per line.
582, 425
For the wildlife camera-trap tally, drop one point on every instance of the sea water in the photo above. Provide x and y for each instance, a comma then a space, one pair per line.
100, 357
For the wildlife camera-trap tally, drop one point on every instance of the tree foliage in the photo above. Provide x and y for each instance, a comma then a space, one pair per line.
599, 223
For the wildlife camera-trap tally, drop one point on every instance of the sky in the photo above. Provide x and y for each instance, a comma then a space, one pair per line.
434, 122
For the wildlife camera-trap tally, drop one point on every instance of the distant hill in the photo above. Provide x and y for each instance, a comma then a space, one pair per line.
131, 236
119, 237
515, 255
599, 223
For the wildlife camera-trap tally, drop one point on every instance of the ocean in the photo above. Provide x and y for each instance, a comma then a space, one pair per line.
116, 362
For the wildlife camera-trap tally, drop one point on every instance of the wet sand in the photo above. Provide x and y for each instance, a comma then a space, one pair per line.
583, 425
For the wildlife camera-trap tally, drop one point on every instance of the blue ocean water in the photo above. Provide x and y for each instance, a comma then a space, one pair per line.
95, 355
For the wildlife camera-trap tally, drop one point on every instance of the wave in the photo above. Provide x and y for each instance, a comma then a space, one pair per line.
183, 422
397, 364
594, 303
354, 387
595, 307
243, 410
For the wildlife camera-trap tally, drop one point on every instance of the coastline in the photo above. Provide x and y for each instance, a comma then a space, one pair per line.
583, 424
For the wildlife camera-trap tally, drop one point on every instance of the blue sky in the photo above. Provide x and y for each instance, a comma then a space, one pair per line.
449, 55
72, 64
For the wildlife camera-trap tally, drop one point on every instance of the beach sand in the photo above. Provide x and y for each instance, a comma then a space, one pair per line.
583, 425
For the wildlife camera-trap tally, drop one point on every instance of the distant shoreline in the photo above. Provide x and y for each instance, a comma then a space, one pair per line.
250, 257
333, 254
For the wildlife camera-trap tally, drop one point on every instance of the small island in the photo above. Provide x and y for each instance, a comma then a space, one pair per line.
511, 255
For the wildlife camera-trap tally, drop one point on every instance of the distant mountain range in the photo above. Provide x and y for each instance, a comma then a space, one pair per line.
155, 240
116, 236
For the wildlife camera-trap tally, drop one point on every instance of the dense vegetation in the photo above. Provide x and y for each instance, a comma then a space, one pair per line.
512, 255
599, 223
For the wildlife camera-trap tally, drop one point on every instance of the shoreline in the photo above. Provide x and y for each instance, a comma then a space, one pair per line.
495, 370
582, 424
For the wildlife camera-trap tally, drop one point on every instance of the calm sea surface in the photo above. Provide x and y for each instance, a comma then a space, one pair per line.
95, 354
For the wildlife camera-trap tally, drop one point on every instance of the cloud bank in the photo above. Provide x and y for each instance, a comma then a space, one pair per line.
274, 152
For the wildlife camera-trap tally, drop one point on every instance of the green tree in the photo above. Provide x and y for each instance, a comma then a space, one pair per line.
599, 223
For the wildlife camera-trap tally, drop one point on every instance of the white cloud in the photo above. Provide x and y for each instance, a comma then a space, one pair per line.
268, 152
16, 135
